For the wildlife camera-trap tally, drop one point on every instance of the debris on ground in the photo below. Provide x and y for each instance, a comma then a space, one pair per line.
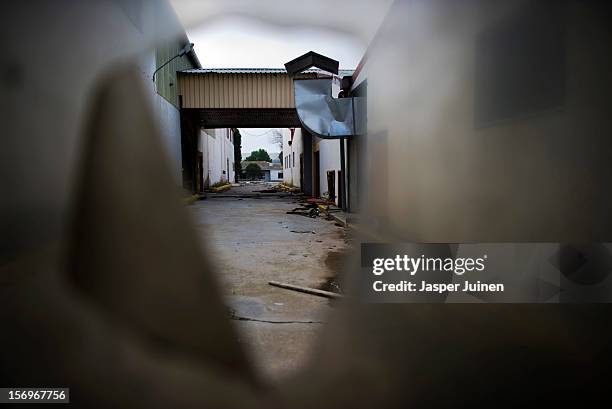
303, 231
234, 316
286, 187
331, 285
306, 290
194, 198
306, 210
313, 207
322, 202
219, 187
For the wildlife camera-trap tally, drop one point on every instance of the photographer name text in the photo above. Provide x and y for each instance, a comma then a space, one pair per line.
414, 265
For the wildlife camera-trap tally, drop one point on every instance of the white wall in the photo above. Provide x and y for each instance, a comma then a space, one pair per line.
204, 146
217, 149
291, 171
329, 159
274, 175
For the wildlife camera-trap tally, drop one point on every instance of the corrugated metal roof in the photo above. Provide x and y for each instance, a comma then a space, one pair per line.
235, 88
341, 73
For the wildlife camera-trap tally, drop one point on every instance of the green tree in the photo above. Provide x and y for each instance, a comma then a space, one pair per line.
237, 153
260, 154
253, 171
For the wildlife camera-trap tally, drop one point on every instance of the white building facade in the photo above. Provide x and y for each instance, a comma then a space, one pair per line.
270, 172
326, 166
216, 156
293, 150
276, 173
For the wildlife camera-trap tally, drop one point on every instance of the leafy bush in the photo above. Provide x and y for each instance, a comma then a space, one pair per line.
260, 154
253, 171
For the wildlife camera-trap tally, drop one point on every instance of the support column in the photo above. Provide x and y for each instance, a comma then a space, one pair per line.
342, 178
307, 141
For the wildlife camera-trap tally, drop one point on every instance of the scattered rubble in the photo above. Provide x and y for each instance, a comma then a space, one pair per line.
308, 209
288, 188
193, 198
219, 188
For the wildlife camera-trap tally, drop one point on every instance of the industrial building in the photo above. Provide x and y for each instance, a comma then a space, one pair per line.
265, 97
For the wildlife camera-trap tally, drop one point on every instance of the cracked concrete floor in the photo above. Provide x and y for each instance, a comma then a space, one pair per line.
254, 241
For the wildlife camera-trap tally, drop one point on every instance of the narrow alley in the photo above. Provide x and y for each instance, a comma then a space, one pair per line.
255, 241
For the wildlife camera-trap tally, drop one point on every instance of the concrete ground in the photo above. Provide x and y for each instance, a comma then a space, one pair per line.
254, 241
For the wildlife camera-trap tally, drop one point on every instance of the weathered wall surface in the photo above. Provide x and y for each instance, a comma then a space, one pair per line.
56, 77
167, 116
170, 126
329, 157
501, 128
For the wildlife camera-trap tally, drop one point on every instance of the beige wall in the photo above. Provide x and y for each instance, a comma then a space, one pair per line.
213, 90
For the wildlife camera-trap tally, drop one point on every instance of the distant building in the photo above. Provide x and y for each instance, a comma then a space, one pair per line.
262, 98
293, 156
271, 172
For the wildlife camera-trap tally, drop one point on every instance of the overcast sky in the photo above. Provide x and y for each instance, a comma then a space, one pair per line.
234, 41
256, 138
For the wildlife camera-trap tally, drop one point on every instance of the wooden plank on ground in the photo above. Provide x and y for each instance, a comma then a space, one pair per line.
307, 290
